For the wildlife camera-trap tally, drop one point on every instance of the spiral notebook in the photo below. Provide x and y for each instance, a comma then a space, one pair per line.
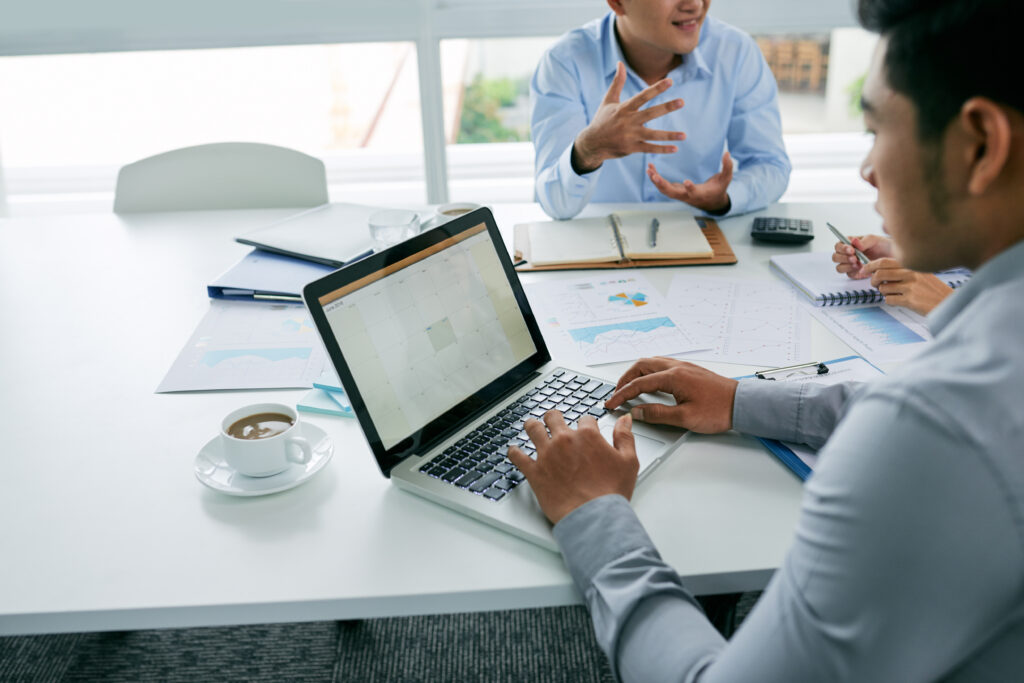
814, 274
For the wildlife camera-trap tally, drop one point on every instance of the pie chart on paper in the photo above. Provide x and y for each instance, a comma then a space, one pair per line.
638, 299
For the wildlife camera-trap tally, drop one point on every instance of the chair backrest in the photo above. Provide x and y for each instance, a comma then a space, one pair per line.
223, 175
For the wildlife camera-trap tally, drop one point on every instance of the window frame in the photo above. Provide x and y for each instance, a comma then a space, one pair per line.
69, 26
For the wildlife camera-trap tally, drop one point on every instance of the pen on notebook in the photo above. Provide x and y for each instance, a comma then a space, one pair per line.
842, 238
652, 234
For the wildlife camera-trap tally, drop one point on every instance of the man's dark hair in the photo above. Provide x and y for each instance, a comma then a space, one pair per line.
943, 52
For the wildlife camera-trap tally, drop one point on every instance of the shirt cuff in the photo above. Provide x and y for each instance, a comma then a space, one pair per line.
597, 533
739, 196
576, 185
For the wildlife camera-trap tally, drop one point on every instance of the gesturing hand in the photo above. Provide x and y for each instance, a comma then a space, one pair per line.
872, 246
575, 466
618, 128
703, 399
711, 195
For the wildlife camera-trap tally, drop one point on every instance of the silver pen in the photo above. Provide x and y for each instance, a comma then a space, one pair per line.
652, 234
842, 238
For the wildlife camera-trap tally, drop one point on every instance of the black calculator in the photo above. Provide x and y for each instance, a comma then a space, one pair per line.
786, 230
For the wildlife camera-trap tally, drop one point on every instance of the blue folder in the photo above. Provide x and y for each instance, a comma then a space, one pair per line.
264, 275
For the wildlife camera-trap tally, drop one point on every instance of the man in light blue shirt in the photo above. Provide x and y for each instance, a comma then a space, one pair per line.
907, 562
703, 83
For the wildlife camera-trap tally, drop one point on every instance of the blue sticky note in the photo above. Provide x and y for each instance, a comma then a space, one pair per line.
322, 402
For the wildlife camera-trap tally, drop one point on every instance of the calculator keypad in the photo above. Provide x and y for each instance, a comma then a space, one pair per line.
773, 229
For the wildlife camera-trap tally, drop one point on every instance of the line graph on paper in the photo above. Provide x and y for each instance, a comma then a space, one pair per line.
741, 321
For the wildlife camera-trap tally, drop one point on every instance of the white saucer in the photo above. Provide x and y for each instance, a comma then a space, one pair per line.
212, 470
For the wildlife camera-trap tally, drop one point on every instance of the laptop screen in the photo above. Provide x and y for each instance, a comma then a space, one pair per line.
424, 332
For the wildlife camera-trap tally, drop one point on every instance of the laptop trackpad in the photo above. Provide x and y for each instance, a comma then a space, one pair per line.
648, 450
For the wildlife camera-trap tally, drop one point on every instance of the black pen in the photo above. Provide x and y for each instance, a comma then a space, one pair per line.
842, 238
652, 234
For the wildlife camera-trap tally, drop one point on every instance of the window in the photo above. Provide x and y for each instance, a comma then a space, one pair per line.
100, 111
433, 80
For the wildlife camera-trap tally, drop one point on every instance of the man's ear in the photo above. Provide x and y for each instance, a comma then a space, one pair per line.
989, 137
617, 6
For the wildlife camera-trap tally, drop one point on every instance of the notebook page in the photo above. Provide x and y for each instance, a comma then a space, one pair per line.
679, 236
582, 240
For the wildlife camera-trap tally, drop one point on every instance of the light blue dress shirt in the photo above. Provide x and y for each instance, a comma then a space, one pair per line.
730, 97
907, 562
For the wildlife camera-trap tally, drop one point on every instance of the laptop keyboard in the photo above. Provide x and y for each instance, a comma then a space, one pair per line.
478, 462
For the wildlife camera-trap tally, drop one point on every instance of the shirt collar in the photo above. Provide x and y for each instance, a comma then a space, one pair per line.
693, 64
1004, 267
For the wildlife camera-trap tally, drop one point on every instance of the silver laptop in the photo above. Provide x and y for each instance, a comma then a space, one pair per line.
443, 361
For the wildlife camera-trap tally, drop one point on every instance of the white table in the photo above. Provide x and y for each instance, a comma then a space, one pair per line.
103, 525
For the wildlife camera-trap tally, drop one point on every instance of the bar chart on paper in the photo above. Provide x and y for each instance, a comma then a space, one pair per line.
605, 320
880, 333
247, 345
741, 321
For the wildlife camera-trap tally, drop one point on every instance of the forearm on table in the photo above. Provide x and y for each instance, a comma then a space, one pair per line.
648, 624
790, 411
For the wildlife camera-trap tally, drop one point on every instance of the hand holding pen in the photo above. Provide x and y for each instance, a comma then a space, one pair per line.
872, 247
920, 292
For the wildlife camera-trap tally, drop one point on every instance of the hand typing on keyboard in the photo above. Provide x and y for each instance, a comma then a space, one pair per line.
575, 466
702, 399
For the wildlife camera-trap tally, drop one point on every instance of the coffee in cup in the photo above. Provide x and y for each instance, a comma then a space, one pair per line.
263, 439
260, 426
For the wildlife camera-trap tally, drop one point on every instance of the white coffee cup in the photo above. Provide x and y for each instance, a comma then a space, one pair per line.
447, 212
263, 447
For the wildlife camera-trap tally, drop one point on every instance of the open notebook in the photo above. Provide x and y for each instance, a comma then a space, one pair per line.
814, 274
617, 237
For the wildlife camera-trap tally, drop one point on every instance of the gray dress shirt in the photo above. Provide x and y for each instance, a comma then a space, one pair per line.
908, 558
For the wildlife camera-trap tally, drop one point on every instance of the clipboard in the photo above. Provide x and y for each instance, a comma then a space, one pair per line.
801, 459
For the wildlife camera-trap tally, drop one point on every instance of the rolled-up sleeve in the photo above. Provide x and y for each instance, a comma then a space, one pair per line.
557, 116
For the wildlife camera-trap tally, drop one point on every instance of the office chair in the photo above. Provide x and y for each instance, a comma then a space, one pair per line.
223, 175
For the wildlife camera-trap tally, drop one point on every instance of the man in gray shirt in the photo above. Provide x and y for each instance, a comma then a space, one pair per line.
908, 558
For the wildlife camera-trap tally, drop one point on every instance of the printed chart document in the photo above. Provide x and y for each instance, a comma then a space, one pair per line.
880, 333
751, 322
248, 345
599, 320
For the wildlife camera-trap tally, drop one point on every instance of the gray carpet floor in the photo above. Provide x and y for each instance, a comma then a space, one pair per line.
552, 644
